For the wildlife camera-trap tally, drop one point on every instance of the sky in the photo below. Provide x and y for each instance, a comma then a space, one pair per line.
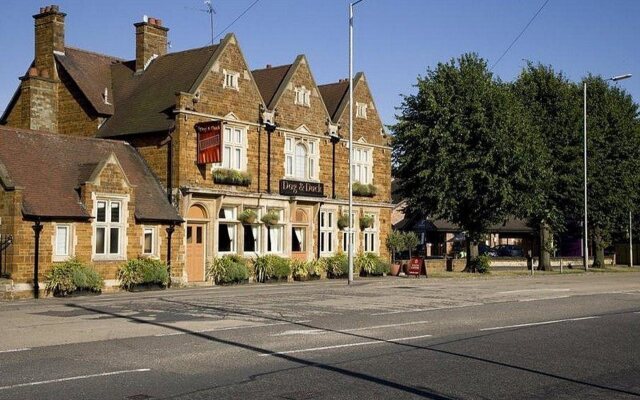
395, 41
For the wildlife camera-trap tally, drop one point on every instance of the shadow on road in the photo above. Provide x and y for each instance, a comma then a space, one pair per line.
419, 391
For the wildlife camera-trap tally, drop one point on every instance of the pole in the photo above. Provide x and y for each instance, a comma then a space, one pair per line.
586, 241
37, 228
630, 240
350, 233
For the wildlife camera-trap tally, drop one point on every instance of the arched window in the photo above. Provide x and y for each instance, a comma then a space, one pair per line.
300, 168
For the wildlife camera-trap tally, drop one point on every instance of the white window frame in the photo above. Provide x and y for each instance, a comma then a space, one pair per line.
281, 225
234, 151
231, 80
370, 236
302, 96
230, 219
327, 232
345, 248
361, 110
258, 226
154, 241
362, 168
58, 257
312, 159
108, 225
303, 243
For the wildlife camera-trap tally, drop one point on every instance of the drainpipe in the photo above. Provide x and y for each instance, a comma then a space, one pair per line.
318, 229
335, 139
170, 231
37, 228
270, 127
169, 143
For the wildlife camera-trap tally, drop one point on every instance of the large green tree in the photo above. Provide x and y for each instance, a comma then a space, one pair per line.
458, 147
552, 105
613, 148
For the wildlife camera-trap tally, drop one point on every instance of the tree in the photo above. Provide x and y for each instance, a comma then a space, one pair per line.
457, 148
395, 243
613, 148
411, 241
552, 105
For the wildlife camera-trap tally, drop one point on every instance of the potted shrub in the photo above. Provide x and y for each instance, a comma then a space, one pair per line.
247, 216
411, 241
343, 222
366, 221
395, 243
272, 217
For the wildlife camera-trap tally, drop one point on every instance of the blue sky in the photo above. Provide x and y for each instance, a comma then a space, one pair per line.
395, 40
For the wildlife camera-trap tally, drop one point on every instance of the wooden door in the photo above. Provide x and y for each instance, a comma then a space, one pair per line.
195, 252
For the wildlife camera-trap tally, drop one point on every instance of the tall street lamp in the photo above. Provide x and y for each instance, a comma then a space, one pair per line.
350, 233
585, 244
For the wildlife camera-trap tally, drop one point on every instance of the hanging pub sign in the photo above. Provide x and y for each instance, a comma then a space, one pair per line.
297, 188
209, 137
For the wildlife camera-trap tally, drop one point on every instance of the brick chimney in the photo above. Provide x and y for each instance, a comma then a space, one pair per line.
49, 38
151, 41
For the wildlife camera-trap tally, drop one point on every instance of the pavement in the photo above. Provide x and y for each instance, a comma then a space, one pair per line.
553, 336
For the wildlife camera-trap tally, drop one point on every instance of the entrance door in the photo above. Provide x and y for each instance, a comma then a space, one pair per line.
195, 252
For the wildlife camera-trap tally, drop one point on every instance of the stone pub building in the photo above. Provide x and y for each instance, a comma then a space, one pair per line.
253, 161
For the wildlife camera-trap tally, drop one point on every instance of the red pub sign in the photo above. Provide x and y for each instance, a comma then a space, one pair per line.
209, 137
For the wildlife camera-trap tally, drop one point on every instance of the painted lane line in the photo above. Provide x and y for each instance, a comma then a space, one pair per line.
533, 290
230, 328
366, 328
15, 350
341, 346
423, 309
74, 378
545, 298
539, 323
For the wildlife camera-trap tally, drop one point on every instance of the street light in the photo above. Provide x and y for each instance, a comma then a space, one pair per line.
585, 253
350, 240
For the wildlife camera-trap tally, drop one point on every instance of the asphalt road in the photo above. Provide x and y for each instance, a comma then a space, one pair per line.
551, 337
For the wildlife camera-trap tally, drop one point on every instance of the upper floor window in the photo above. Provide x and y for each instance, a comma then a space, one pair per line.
361, 110
234, 149
362, 167
301, 158
109, 228
231, 79
303, 96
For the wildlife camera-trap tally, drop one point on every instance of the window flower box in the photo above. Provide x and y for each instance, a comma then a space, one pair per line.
364, 190
226, 176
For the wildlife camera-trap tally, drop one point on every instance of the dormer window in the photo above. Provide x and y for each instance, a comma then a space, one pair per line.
361, 110
231, 80
303, 96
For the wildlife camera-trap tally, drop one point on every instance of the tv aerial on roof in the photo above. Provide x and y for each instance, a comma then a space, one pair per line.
209, 10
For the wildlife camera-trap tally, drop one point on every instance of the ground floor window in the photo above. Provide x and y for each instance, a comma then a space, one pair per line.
251, 238
326, 231
227, 237
370, 235
274, 238
62, 241
345, 242
149, 243
298, 235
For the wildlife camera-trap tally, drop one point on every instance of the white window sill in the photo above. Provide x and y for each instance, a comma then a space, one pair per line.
102, 258
59, 259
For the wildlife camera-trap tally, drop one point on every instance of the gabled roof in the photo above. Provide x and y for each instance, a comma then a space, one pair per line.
143, 102
269, 81
333, 93
91, 72
50, 168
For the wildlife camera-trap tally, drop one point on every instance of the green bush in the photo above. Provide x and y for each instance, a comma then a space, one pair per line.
481, 264
228, 269
316, 268
231, 177
371, 264
299, 269
337, 266
71, 276
143, 271
365, 190
270, 266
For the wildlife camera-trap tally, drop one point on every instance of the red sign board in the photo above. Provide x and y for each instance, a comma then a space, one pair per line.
209, 136
415, 266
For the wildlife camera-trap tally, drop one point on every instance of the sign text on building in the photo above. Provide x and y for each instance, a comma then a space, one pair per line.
298, 188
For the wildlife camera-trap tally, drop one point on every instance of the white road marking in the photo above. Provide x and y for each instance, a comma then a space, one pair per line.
365, 328
73, 378
534, 290
340, 346
421, 309
538, 323
15, 350
230, 328
545, 298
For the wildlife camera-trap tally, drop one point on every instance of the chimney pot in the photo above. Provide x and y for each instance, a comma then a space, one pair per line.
33, 71
151, 41
41, 10
158, 22
152, 21
55, 8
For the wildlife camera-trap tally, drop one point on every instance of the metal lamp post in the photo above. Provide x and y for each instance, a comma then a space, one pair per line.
350, 232
586, 242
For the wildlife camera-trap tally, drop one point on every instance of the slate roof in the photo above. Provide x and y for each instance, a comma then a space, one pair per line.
92, 73
51, 167
143, 102
269, 80
332, 94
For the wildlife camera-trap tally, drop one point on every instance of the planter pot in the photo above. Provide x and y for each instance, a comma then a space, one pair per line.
395, 269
